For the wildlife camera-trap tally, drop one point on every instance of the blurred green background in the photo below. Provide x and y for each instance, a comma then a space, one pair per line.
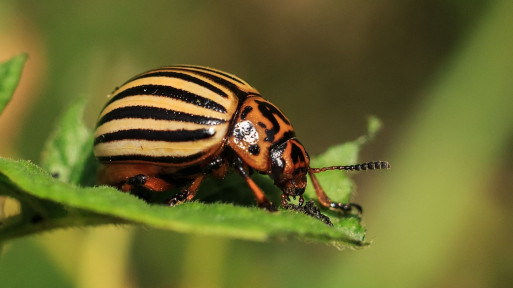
438, 73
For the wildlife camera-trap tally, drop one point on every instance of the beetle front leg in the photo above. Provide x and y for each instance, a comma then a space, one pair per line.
262, 200
326, 201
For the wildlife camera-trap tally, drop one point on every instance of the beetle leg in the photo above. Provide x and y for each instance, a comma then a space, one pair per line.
326, 201
138, 181
148, 182
262, 200
188, 193
218, 167
128, 176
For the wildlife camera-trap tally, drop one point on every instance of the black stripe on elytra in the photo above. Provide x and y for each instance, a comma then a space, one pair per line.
185, 77
147, 112
156, 159
156, 135
242, 95
213, 71
170, 92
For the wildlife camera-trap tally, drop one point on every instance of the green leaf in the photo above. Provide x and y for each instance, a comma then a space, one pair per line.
10, 74
373, 126
25, 178
68, 154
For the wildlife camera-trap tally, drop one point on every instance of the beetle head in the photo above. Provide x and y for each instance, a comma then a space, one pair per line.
289, 166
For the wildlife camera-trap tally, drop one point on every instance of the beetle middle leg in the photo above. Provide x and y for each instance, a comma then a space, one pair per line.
188, 193
327, 202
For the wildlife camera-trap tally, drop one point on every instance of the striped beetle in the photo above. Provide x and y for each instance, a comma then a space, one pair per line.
174, 125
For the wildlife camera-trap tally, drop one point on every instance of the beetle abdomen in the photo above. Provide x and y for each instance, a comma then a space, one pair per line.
173, 116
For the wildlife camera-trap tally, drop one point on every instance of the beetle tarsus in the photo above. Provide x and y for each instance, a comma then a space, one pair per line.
346, 207
179, 198
310, 209
188, 193
267, 205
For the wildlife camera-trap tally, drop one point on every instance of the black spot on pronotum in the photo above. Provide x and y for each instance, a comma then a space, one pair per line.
254, 149
55, 175
270, 112
245, 112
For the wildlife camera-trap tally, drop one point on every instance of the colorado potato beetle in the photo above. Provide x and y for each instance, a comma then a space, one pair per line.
175, 125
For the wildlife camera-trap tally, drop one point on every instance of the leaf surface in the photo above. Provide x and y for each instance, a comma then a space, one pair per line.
10, 74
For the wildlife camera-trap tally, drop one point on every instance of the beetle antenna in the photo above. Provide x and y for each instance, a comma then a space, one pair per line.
355, 167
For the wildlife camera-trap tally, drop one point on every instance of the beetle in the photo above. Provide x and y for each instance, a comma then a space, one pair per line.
174, 125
